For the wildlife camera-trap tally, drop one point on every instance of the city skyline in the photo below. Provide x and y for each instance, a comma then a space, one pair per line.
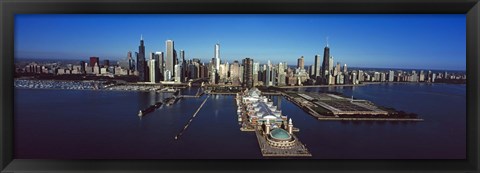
400, 46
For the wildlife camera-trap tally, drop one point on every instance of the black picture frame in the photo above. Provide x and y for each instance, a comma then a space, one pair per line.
9, 8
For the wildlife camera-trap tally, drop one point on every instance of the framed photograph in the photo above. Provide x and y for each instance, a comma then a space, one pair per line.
239, 86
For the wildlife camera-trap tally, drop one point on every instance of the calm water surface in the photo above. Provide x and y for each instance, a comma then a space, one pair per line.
78, 124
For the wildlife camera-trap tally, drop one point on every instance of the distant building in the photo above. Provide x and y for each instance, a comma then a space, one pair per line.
422, 76
131, 62
330, 65
178, 73
217, 57
152, 69
141, 62
376, 76
382, 77
158, 66
391, 74
256, 69
301, 63
106, 63
268, 74
82, 67
183, 67
281, 74
317, 68
247, 73
96, 69
354, 78
326, 60
361, 76
93, 61
213, 76
337, 68
170, 57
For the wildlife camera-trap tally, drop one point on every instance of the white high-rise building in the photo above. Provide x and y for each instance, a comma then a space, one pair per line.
256, 68
268, 73
170, 57
178, 73
330, 65
152, 69
217, 57
391, 74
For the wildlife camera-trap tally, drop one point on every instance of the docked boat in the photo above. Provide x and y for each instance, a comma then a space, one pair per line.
158, 104
146, 111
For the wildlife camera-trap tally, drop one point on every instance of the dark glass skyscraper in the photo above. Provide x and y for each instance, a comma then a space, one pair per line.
158, 66
184, 66
248, 72
141, 63
326, 61
317, 66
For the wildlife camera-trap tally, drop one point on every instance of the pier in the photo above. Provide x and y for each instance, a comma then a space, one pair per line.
332, 107
275, 135
221, 93
322, 86
298, 150
198, 94
191, 119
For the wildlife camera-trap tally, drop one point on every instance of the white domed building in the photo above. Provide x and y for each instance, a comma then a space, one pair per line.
264, 115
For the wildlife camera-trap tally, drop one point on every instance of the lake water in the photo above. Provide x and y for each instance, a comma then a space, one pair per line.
81, 124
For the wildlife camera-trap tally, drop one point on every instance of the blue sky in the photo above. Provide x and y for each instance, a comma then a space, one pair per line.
385, 41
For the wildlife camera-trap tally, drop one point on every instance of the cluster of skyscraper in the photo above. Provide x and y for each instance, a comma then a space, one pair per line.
165, 66
254, 74
326, 73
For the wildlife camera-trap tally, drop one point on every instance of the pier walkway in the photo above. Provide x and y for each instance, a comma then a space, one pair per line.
191, 119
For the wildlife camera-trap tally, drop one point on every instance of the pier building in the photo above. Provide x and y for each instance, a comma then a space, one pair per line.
274, 133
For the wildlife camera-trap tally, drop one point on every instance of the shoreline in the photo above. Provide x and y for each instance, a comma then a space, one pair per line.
368, 119
82, 89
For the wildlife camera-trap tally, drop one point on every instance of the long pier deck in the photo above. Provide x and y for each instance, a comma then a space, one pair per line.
191, 119
307, 107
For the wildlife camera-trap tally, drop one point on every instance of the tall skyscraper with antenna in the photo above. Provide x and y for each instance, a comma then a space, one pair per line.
141, 63
326, 60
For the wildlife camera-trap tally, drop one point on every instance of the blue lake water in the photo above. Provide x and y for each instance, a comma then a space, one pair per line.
80, 124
